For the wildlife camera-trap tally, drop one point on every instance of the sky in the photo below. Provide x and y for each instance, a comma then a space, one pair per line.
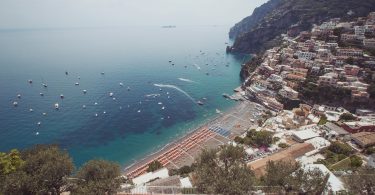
101, 13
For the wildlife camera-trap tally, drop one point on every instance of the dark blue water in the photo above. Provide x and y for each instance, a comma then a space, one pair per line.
135, 122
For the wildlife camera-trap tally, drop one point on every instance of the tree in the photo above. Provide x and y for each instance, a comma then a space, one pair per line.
355, 161
47, 168
347, 117
10, 162
291, 177
154, 165
323, 120
340, 148
44, 171
223, 171
361, 182
370, 150
98, 177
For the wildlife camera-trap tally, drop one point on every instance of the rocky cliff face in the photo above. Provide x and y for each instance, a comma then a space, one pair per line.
252, 21
260, 31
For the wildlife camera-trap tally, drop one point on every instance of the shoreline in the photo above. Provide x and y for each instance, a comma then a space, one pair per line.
159, 153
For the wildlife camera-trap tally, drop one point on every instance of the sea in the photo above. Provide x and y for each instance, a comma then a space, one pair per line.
142, 87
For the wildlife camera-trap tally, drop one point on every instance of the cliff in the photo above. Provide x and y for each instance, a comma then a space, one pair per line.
260, 31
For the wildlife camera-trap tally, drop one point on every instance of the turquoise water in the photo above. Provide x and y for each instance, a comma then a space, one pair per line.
135, 123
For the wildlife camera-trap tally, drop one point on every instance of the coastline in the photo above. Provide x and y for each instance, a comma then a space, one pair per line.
202, 127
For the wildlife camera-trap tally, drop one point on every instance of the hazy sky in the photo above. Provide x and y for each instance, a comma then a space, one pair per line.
97, 13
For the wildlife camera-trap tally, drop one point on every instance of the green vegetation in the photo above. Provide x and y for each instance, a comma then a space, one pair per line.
340, 148
291, 178
153, 166
347, 117
355, 161
183, 171
45, 169
283, 145
256, 138
98, 177
370, 150
323, 120
223, 172
324, 94
361, 181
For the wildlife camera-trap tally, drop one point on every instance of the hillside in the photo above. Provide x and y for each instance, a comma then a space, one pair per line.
261, 30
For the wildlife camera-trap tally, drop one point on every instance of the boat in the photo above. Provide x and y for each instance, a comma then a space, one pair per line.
139, 111
167, 93
102, 73
104, 112
96, 114
39, 123
19, 95
200, 103
114, 99
84, 106
110, 94
185, 66
66, 73
84, 91
41, 94
56, 106
207, 73
31, 110
163, 108
226, 95
170, 61
121, 84
61, 96
172, 64
44, 114
218, 111
30, 81
160, 103
15, 104
44, 85
160, 89
96, 103
77, 83
128, 88
37, 133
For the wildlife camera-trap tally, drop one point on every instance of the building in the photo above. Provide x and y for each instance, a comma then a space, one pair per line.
288, 93
306, 55
350, 52
358, 126
328, 79
369, 43
351, 70
301, 136
289, 154
364, 112
334, 184
364, 139
348, 37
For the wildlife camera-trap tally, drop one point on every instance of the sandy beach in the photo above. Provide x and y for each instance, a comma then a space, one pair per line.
218, 131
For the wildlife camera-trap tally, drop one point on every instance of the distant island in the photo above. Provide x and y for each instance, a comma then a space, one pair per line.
169, 26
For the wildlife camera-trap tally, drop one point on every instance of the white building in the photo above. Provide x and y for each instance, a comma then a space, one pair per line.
305, 55
289, 93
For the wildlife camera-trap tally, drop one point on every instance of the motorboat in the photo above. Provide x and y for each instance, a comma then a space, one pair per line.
66, 73
30, 81
84, 106
102, 73
41, 94
62, 96
121, 84
44, 114
110, 94
56, 106
31, 110
44, 85
39, 123
77, 84
96, 103
139, 111
15, 104
84, 91
163, 108
200, 103
19, 96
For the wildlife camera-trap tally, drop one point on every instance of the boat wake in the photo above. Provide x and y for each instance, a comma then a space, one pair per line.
196, 66
153, 95
176, 88
186, 80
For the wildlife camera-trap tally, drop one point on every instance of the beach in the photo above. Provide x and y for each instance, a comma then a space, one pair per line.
218, 131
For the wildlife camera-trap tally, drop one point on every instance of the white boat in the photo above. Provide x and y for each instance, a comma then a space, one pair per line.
121, 84
84, 91
44, 85
84, 106
15, 103
128, 88
30, 81
56, 106
19, 95
31, 110
77, 84
41, 94
102, 73
114, 99
139, 111
39, 123
163, 108
37, 133
96, 103
104, 112
110, 94
96, 114
62, 96
167, 93
44, 114
160, 89
200, 103
160, 103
